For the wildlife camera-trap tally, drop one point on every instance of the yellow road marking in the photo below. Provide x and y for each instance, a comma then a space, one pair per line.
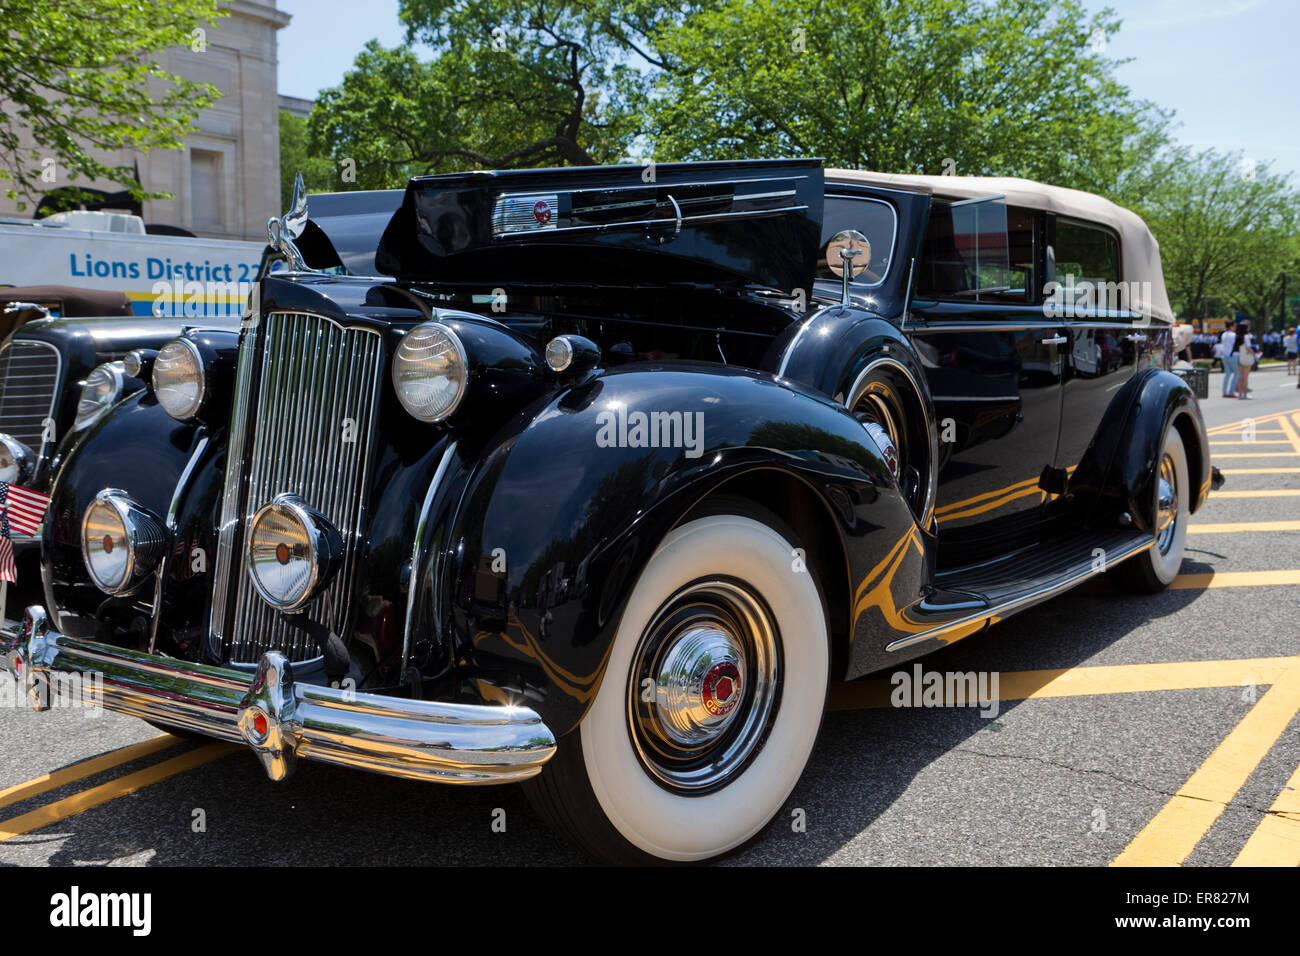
86, 768
1290, 433
88, 799
1258, 441
1253, 493
1090, 681
1257, 454
1234, 579
1260, 420
1224, 527
1276, 841
1180, 825
1261, 471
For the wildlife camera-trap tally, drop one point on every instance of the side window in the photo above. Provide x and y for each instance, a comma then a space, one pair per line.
873, 218
1087, 266
979, 250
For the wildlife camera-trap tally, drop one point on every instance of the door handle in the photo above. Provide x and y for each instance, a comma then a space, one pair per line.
1055, 340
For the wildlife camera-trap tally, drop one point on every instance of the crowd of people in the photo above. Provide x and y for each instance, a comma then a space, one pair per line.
1239, 352
1271, 345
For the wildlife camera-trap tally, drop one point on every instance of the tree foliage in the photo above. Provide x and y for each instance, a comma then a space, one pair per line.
81, 78
1226, 228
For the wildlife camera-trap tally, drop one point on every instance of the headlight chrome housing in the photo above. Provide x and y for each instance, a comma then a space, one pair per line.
120, 542
17, 461
103, 387
292, 553
180, 379
430, 372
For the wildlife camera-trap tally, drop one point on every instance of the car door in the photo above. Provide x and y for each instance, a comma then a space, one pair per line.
1105, 347
994, 362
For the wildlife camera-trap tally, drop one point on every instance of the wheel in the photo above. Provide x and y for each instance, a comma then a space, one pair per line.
710, 704
887, 401
1155, 568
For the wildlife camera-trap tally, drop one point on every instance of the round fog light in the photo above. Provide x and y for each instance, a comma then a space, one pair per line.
292, 552
120, 542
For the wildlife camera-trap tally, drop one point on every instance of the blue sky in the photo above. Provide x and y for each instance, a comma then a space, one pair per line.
1229, 68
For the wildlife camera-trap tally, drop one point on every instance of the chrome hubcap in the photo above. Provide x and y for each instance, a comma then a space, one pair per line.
1166, 504
704, 686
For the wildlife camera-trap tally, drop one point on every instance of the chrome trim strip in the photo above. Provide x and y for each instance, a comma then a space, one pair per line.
1019, 604
690, 220
160, 575
234, 478
417, 552
401, 737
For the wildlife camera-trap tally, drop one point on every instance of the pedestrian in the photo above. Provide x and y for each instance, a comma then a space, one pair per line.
1289, 348
1247, 354
1228, 354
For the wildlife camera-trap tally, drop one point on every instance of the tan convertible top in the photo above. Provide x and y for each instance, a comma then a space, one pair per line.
1139, 251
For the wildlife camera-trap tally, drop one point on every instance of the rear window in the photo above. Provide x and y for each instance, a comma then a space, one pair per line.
873, 218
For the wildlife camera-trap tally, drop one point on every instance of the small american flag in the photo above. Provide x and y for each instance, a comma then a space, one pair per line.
21, 510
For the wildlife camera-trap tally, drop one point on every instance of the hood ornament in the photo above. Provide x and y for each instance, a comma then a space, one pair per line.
283, 230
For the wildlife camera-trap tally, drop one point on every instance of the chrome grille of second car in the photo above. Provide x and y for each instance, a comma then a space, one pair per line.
313, 410
29, 378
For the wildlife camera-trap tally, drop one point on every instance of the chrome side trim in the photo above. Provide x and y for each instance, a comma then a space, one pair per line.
234, 479
417, 553
988, 614
282, 719
160, 575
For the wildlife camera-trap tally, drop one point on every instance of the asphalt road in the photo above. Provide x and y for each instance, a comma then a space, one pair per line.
1133, 729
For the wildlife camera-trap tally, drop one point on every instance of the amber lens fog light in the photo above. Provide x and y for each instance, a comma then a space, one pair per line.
292, 552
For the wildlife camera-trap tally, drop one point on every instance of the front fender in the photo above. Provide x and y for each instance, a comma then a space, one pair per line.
1163, 400
567, 505
140, 449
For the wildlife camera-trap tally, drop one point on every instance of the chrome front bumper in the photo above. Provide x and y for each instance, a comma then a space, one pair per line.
282, 720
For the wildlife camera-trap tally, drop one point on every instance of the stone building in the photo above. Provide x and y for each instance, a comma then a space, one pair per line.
226, 180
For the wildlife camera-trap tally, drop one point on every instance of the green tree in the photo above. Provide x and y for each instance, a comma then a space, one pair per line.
1006, 87
80, 78
512, 84
318, 172
1224, 225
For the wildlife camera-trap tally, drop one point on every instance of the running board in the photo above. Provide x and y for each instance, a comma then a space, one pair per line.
1028, 577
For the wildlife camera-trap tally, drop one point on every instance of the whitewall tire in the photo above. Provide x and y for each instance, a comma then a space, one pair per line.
711, 701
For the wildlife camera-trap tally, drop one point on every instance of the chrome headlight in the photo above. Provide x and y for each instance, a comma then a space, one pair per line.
179, 379
16, 460
120, 542
103, 387
292, 552
430, 372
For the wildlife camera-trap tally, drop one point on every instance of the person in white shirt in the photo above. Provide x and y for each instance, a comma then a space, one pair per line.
1289, 350
1228, 351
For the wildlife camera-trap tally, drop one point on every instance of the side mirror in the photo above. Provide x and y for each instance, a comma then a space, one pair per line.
848, 254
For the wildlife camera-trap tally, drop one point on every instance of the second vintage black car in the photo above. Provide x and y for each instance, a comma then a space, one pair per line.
609, 475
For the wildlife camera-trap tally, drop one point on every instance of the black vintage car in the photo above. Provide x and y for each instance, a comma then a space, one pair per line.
612, 471
61, 369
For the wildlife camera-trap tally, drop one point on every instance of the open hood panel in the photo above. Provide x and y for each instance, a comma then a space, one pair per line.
737, 224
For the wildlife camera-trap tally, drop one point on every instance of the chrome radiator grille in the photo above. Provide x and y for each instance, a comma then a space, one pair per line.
29, 378
309, 420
